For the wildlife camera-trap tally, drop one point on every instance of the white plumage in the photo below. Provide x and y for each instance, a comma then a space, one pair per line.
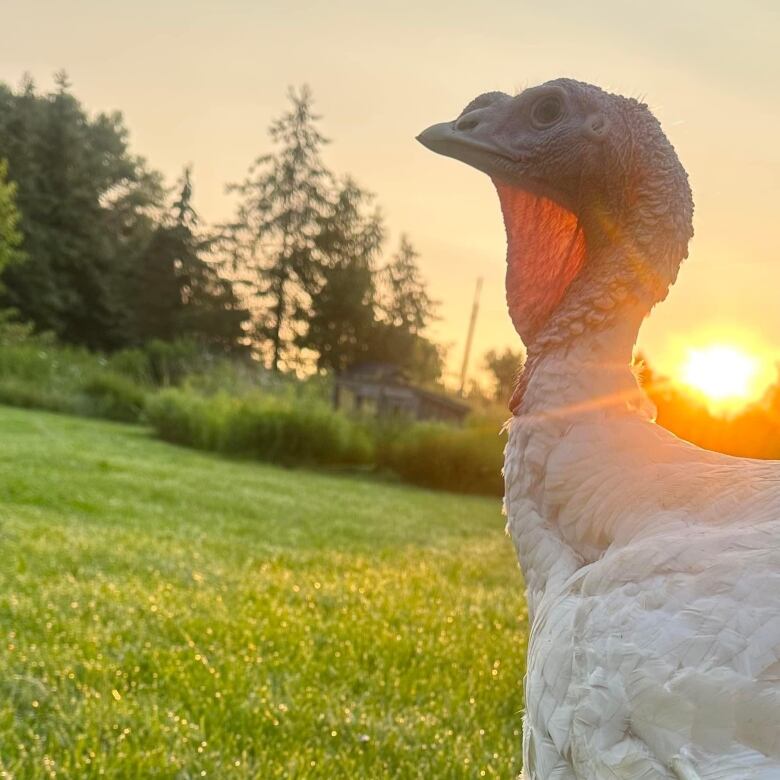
652, 566
653, 571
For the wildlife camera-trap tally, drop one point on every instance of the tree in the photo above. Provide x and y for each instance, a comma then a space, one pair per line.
421, 358
342, 288
179, 291
307, 248
282, 201
405, 311
10, 237
504, 367
406, 303
87, 211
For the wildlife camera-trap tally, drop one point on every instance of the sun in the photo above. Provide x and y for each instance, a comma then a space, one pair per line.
726, 375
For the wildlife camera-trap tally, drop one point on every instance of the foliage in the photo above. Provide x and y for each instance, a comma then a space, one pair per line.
405, 312
463, 460
108, 265
271, 237
261, 427
308, 249
114, 397
406, 303
163, 363
37, 372
85, 205
504, 368
112, 264
10, 237
284, 429
341, 314
421, 359
179, 291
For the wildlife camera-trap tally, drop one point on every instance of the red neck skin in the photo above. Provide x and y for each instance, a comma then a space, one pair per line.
545, 252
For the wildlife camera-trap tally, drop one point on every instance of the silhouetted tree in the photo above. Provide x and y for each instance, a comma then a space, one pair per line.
86, 207
420, 357
10, 237
405, 303
341, 287
504, 368
404, 310
281, 202
180, 292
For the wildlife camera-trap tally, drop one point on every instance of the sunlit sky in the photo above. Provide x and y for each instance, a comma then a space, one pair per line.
198, 82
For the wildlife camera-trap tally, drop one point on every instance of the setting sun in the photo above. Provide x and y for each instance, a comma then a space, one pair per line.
725, 374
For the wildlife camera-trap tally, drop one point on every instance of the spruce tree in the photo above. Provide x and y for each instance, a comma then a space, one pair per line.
272, 236
406, 303
405, 310
10, 237
179, 290
86, 207
341, 314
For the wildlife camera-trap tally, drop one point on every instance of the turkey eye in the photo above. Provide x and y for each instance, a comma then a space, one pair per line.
547, 111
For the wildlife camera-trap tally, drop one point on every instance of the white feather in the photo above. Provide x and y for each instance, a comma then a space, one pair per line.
653, 570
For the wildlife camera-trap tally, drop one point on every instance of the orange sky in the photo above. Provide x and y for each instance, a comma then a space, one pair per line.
199, 81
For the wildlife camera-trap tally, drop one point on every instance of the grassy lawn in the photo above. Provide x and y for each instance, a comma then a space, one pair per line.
165, 613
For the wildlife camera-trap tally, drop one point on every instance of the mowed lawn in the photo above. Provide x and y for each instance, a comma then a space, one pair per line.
165, 613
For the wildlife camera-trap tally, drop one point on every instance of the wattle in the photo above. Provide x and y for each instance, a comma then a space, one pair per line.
546, 250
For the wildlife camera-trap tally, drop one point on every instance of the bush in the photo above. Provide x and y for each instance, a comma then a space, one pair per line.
262, 427
114, 397
32, 395
239, 408
36, 373
464, 460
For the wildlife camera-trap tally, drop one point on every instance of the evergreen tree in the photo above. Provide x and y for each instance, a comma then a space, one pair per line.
86, 208
180, 292
406, 310
421, 358
406, 303
281, 203
341, 312
10, 237
505, 367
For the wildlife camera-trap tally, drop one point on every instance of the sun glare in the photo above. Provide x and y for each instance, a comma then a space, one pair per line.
726, 375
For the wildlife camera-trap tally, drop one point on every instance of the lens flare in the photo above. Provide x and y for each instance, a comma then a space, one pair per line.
725, 374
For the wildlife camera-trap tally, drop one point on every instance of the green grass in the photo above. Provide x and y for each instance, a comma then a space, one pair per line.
166, 613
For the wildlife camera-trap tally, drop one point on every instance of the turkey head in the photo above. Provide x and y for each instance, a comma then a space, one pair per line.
596, 205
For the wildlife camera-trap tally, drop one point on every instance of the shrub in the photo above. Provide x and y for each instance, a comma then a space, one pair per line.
464, 460
36, 373
32, 395
114, 397
262, 427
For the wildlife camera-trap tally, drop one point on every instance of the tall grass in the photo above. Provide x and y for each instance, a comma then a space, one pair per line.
238, 408
260, 426
35, 372
464, 460
285, 430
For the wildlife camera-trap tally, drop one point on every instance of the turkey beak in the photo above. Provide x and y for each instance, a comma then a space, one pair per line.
478, 136
448, 139
436, 135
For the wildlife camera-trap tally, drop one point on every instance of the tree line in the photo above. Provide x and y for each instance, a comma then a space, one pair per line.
95, 249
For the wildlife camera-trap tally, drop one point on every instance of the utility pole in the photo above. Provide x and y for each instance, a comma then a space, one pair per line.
470, 336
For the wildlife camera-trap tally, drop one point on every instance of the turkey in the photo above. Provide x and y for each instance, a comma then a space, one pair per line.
652, 566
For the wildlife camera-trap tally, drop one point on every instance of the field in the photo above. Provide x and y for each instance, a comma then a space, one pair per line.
166, 613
